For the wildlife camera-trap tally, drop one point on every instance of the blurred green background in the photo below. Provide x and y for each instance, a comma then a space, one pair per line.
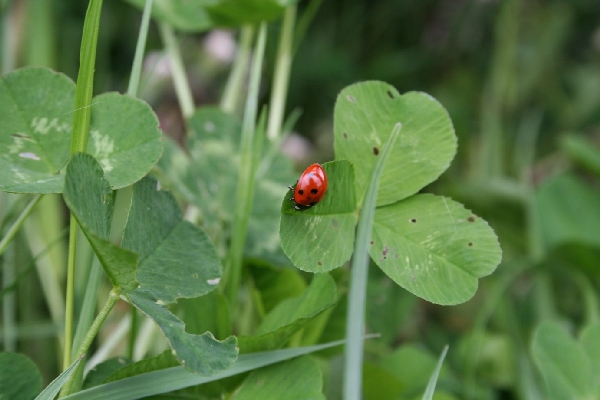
521, 81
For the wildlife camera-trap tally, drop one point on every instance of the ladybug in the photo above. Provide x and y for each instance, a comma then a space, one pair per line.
310, 188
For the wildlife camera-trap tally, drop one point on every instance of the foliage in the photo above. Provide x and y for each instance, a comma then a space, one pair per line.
498, 164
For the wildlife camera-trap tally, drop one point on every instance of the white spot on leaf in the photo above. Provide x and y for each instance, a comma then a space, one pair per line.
29, 155
213, 281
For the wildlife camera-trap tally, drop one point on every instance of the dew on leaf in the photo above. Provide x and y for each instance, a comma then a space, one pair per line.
213, 281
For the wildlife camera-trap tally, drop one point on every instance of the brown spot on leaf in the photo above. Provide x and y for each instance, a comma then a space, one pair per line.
345, 135
471, 218
390, 94
413, 220
376, 150
470, 244
351, 99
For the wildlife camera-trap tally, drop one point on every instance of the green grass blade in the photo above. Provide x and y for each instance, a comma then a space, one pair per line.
52, 389
175, 378
246, 177
428, 395
79, 137
358, 279
14, 228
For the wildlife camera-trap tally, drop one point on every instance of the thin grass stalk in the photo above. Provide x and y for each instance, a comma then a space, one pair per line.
281, 77
246, 177
180, 81
232, 94
81, 125
140, 48
358, 279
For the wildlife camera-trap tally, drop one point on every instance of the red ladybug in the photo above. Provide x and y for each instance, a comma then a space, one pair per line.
310, 188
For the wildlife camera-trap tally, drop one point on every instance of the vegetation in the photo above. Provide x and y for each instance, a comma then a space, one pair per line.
149, 246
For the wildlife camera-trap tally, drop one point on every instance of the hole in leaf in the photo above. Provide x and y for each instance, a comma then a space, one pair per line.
351, 99
376, 150
471, 218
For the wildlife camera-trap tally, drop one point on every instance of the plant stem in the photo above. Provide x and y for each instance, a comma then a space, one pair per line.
282, 73
235, 83
136, 69
245, 186
182, 86
132, 90
79, 137
70, 295
12, 231
358, 279
113, 297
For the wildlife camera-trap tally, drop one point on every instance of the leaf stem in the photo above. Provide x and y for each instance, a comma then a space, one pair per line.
358, 279
113, 297
14, 228
281, 77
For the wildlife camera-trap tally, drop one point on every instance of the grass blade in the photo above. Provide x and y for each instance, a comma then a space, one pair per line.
428, 395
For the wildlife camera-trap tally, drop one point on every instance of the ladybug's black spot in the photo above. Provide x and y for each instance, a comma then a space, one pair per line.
389, 93
345, 135
376, 150
471, 218
314, 191
300, 192
413, 220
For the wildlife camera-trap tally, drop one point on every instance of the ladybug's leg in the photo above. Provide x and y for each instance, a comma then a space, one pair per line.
290, 187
